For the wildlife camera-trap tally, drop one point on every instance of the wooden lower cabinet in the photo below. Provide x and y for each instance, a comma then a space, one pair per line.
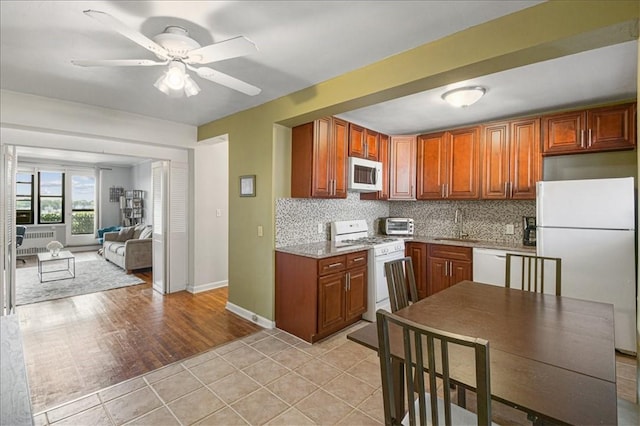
447, 265
418, 254
317, 297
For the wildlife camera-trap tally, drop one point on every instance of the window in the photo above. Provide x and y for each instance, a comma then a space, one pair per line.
51, 197
83, 189
24, 198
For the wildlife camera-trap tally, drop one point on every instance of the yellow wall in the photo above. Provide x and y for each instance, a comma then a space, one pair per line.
549, 30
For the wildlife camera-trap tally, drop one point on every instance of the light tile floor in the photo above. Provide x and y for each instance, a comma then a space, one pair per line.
269, 377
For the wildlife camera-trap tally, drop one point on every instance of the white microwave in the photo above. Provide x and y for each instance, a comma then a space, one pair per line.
364, 175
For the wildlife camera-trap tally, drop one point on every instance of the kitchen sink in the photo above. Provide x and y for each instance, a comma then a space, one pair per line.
467, 240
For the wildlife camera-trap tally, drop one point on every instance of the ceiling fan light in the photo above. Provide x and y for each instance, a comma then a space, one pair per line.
175, 75
464, 96
191, 88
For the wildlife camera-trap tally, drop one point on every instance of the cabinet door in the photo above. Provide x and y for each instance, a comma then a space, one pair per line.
562, 133
418, 254
331, 306
356, 141
525, 159
611, 128
431, 166
340, 142
322, 179
372, 145
495, 161
459, 271
463, 160
356, 296
438, 278
402, 168
383, 157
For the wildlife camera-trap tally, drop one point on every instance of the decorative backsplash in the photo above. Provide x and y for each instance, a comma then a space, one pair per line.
297, 219
481, 220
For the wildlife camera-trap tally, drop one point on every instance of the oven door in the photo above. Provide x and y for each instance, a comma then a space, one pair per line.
382, 290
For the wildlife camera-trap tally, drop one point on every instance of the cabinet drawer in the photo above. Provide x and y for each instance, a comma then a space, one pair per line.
450, 252
356, 259
332, 264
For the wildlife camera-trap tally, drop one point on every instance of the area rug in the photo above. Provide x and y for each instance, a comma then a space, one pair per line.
91, 276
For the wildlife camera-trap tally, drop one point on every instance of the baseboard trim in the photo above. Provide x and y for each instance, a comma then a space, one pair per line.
207, 286
251, 316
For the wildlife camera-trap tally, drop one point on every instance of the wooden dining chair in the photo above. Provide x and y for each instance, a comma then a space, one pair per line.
401, 283
532, 272
424, 348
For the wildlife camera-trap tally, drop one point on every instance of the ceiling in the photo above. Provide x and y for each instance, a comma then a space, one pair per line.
299, 44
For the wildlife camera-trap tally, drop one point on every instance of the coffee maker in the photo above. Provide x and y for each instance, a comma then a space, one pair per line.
529, 235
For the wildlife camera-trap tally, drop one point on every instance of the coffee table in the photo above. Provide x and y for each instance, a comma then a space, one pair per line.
63, 255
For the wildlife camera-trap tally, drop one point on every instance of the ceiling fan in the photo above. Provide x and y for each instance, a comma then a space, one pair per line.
178, 52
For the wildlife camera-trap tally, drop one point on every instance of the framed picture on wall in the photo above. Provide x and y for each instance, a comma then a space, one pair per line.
248, 186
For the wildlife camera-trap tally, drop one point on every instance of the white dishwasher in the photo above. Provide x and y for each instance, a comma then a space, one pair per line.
489, 266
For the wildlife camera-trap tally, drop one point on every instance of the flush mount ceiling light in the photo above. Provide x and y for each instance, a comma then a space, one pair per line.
464, 96
175, 82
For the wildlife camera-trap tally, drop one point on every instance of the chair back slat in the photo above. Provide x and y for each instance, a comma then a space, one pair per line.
418, 345
401, 283
532, 272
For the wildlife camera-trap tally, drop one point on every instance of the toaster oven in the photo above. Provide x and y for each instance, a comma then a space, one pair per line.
396, 226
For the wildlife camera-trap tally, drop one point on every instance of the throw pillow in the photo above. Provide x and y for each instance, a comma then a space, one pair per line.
125, 234
137, 230
146, 233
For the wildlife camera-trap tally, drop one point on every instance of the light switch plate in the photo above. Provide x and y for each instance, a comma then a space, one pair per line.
509, 229
259, 230
320, 228
218, 212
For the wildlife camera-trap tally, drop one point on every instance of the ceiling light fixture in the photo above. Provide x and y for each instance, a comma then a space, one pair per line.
175, 82
464, 96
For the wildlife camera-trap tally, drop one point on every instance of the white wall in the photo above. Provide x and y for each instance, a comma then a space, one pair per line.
211, 232
141, 179
109, 213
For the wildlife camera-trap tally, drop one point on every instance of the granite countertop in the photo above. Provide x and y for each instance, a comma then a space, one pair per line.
327, 248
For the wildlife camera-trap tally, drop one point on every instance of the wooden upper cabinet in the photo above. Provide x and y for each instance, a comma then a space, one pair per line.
402, 168
525, 159
448, 165
598, 129
463, 164
340, 129
612, 128
431, 166
372, 145
383, 157
512, 160
356, 141
363, 143
319, 159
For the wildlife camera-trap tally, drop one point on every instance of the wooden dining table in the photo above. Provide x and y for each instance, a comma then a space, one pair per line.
552, 357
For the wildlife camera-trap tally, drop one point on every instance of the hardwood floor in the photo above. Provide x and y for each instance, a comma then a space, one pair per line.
81, 344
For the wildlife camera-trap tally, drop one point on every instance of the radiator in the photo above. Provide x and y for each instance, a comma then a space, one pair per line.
35, 242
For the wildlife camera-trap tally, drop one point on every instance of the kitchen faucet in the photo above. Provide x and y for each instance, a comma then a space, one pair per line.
459, 221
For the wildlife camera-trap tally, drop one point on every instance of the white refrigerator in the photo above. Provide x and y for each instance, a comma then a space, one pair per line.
590, 225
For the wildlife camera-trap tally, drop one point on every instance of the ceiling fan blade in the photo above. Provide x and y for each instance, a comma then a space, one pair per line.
118, 63
232, 48
129, 33
226, 80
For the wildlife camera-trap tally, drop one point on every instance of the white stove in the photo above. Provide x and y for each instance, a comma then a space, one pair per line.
383, 249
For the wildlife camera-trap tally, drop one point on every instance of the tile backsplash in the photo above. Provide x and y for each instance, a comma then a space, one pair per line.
297, 219
481, 220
